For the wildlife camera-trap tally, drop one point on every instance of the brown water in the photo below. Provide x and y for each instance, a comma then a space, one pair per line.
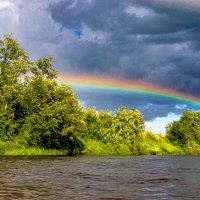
142, 177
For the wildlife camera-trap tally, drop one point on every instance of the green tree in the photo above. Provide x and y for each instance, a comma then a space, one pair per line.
185, 130
14, 63
45, 68
106, 126
91, 118
128, 124
53, 115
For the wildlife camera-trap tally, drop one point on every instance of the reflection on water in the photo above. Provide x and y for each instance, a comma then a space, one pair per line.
142, 177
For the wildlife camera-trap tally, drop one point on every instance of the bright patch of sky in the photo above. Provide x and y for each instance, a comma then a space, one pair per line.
158, 124
181, 106
6, 5
8, 13
139, 12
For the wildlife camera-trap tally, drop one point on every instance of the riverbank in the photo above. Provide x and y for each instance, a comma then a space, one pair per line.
15, 148
145, 144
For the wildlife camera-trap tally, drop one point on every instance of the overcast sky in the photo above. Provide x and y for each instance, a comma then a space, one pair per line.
156, 41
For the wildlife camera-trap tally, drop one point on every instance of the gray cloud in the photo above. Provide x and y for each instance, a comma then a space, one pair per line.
159, 43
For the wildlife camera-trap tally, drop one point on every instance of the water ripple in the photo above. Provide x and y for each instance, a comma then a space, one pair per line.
142, 177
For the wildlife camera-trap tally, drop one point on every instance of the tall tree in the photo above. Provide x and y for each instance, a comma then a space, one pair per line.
14, 63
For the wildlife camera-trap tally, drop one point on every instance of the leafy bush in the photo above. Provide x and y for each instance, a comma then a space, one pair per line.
185, 130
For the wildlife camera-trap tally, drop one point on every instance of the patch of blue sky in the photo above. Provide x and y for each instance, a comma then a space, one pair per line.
75, 28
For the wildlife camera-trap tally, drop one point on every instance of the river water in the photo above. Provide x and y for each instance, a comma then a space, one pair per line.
136, 177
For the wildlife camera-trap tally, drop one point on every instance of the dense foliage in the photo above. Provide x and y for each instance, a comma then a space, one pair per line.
40, 116
186, 131
33, 107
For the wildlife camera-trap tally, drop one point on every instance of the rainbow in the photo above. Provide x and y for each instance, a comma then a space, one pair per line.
106, 82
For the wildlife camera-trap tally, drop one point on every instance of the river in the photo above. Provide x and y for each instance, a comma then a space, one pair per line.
85, 177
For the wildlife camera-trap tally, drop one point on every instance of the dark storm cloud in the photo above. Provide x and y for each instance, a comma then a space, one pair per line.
109, 15
155, 41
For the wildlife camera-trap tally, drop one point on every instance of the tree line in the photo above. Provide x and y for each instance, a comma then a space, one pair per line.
39, 112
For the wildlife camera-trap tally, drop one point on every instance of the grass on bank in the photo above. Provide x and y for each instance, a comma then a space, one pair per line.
150, 144
98, 148
14, 148
146, 143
